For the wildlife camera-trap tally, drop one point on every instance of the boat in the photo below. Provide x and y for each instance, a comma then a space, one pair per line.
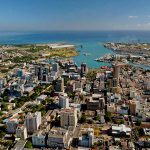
86, 54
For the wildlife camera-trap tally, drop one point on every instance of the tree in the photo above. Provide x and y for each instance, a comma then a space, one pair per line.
6, 93
138, 122
2, 134
34, 96
4, 107
43, 102
108, 116
140, 131
1, 113
2, 131
91, 75
71, 95
28, 144
81, 97
56, 122
121, 121
49, 100
83, 118
97, 118
5, 99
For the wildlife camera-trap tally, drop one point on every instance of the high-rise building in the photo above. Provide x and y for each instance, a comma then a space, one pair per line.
21, 132
59, 85
132, 107
64, 101
33, 121
116, 72
84, 69
68, 117
40, 71
55, 67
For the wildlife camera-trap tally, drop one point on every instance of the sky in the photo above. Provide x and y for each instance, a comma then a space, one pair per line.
74, 15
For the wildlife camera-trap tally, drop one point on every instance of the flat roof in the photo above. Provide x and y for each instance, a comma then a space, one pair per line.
20, 144
42, 96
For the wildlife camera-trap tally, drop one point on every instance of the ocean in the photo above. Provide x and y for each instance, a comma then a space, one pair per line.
92, 41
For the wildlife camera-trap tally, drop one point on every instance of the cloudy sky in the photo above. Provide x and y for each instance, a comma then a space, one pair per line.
74, 15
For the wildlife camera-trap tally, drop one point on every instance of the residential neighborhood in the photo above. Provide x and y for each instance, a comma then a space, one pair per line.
65, 106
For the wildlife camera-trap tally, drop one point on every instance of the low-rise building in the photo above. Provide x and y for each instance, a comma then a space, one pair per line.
111, 108
123, 110
58, 138
38, 139
41, 98
11, 125
87, 140
120, 130
146, 131
95, 104
21, 131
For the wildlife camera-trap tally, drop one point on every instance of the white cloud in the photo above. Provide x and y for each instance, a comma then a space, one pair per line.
132, 17
144, 25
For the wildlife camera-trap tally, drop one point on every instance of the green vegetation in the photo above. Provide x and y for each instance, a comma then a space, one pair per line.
5, 144
91, 75
40, 108
28, 145
4, 70
56, 122
81, 97
34, 96
6, 93
5, 99
96, 118
23, 59
20, 101
98, 144
108, 116
49, 100
139, 131
38, 89
4, 106
83, 118
71, 95
63, 52
138, 122
35, 49
119, 121
2, 131
1, 113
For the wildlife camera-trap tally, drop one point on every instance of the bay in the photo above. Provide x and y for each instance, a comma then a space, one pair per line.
91, 41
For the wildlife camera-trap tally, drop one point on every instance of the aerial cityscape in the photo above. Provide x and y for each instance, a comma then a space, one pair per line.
74, 84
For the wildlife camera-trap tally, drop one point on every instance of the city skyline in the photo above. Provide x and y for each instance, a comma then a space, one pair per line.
74, 15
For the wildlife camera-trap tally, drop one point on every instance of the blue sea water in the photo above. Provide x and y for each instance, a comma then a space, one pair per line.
92, 41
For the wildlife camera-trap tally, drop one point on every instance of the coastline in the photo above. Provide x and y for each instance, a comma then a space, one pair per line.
91, 41
136, 54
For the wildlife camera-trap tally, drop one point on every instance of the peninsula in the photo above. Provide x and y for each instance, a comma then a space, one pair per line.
13, 55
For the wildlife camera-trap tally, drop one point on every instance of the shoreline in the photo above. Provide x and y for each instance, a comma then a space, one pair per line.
137, 54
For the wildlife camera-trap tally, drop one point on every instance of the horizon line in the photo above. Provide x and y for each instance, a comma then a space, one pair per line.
71, 30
